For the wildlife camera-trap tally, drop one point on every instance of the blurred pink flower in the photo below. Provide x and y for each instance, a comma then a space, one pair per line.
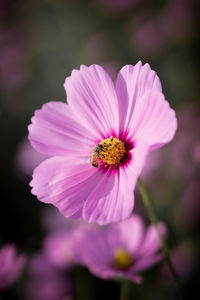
112, 69
99, 141
53, 221
11, 265
147, 36
46, 282
27, 159
188, 208
59, 249
151, 168
121, 249
181, 150
13, 58
177, 19
196, 152
151, 33
183, 258
99, 49
59, 246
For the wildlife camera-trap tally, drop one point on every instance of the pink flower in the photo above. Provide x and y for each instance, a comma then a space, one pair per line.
46, 282
147, 37
178, 19
52, 221
196, 152
13, 58
59, 246
188, 208
11, 265
59, 243
182, 149
27, 159
121, 249
184, 259
153, 33
99, 141
152, 166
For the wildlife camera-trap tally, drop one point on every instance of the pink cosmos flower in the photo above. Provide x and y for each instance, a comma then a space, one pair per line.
59, 246
46, 282
121, 249
181, 151
59, 249
147, 36
13, 58
184, 259
187, 211
151, 33
52, 221
27, 159
99, 141
11, 265
196, 152
152, 166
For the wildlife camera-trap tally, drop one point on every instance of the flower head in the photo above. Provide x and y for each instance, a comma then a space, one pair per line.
46, 281
27, 159
99, 141
11, 265
121, 249
59, 246
184, 259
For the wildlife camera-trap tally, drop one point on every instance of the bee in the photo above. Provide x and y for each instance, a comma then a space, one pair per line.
95, 154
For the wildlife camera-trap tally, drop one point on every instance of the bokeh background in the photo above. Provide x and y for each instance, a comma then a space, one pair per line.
41, 42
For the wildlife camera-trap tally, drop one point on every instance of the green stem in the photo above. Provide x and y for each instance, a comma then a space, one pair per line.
124, 289
154, 221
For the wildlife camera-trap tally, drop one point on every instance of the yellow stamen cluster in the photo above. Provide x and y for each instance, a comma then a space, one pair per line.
112, 150
122, 260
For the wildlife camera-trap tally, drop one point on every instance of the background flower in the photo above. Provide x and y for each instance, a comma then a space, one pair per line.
11, 265
46, 281
124, 249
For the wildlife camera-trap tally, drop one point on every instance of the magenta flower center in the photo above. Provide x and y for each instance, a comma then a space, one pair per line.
110, 151
122, 260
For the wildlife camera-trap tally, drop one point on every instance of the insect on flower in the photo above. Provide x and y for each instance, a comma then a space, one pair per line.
112, 126
95, 154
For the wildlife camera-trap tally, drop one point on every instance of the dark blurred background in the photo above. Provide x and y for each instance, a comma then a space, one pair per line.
41, 42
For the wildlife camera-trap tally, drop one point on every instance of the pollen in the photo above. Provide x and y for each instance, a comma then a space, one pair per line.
112, 150
122, 260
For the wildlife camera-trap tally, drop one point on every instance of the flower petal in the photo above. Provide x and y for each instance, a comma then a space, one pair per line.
132, 83
151, 242
139, 154
112, 200
129, 239
65, 183
54, 131
11, 265
134, 277
146, 263
153, 120
97, 252
92, 97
